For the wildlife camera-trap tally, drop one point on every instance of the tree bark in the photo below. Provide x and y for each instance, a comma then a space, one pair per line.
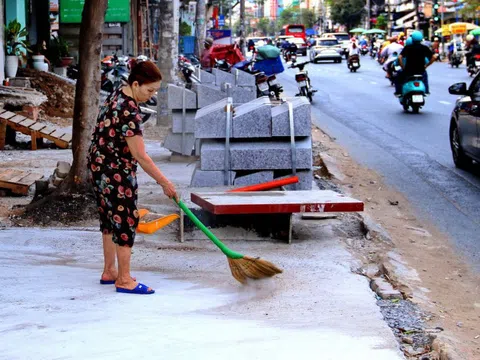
86, 93
167, 15
200, 27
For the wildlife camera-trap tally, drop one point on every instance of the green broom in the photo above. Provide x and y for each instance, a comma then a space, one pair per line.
242, 267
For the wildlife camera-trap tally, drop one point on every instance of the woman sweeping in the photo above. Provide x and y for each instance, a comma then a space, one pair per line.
117, 147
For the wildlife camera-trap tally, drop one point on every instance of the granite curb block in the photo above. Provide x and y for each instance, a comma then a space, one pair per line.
210, 121
253, 178
173, 142
302, 118
242, 78
189, 121
208, 94
223, 77
175, 98
204, 76
253, 119
305, 179
201, 178
255, 155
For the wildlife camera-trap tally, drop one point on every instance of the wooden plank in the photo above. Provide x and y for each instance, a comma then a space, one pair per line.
57, 134
27, 123
34, 135
61, 144
18, 177
2, 111
7, 115
30, 179
37, 126
15, 188
48, 130
67, 137
3, 133
221, 203
17, 119
7, 174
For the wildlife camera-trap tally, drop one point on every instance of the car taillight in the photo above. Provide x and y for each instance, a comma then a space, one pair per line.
300, 77
416, 83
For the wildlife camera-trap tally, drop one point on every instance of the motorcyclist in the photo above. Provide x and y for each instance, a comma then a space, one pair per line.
401, 38
206, 58
412, 60
391, 52
472, 48
291, 49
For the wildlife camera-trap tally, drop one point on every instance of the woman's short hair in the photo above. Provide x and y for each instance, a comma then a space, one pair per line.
145, 72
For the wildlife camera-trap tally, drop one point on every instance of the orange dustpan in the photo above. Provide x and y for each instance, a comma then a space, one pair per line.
149, 227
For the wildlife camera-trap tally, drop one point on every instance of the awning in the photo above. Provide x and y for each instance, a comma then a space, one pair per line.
406, 25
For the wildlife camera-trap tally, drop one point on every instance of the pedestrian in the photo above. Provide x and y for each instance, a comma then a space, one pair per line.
206, 56
116, 149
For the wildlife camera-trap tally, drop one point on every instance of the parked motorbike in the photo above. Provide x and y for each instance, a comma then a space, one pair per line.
303, 81
187, 68
413, 94
222, 65
456, 59
474, 66
353, 63
115, 70
274, 88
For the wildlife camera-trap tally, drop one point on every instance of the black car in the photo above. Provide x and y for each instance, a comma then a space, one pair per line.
465, 123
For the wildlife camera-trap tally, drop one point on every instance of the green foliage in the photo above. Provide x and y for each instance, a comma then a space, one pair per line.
297, 16
381, 22
13, 35
347, 12
263, 26
470, 9
185, 29
57, 49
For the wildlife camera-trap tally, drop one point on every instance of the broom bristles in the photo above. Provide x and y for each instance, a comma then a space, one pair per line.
252, 268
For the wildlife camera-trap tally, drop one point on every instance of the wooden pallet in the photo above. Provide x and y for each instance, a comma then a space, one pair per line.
18, 181
36, 130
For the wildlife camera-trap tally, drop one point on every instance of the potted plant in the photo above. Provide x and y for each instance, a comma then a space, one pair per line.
13, 46
58, 54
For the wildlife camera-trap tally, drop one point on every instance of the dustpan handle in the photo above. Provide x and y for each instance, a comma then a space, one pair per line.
230, 253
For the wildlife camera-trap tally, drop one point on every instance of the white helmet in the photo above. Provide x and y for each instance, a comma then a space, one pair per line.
470, 37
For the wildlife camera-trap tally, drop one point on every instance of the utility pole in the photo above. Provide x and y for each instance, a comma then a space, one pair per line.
368, 14
242, 27
441, 24
200, 27
389, 18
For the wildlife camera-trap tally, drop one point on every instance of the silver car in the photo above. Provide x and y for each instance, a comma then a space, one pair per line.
326, 49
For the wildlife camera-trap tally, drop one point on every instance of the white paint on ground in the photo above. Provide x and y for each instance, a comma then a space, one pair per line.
54, 308
373, 83
445, 102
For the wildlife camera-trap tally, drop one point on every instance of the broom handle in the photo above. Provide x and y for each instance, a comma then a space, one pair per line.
230, 253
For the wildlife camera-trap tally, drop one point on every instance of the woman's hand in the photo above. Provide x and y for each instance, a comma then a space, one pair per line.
170, 191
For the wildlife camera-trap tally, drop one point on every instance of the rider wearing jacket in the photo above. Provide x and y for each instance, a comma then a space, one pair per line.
412, 60
472, 48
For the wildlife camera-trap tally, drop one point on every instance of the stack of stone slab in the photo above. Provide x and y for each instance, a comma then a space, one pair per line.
260, 147
210, 89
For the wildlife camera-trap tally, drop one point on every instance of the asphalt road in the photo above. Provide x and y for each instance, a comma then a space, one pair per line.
411, 151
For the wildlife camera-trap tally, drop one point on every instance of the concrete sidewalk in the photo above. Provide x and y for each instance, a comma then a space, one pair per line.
54, 308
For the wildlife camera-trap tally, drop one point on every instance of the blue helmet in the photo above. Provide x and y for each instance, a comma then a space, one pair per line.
409, 41
417, 36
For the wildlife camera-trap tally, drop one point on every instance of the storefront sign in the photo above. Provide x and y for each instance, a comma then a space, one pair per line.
117, 11
458, 28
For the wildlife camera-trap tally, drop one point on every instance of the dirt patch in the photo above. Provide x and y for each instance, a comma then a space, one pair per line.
421, 260
60, 93
61, 210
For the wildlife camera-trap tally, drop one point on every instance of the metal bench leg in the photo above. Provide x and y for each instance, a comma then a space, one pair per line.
290, 228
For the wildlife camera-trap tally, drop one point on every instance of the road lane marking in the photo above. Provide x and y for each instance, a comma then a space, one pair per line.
373, 83
445, 102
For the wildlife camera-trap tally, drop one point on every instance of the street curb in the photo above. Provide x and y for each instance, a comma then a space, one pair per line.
373, 230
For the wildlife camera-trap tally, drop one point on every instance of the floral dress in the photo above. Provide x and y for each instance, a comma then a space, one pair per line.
113, 168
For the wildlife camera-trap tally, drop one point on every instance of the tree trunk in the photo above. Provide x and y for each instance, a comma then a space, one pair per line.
167, 15
86, 93
200, 27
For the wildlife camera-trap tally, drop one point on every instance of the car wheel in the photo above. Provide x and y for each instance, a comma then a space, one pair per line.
461, 160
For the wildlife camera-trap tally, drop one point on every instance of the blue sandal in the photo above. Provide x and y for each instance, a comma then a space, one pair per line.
141, 289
